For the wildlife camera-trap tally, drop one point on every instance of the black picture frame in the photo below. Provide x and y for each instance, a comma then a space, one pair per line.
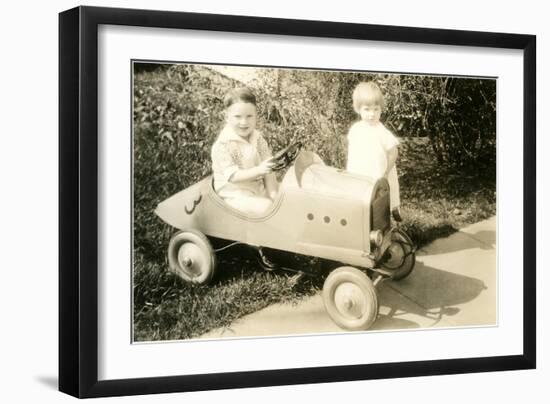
78, 200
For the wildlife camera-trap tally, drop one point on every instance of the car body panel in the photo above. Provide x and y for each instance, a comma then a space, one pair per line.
320, 211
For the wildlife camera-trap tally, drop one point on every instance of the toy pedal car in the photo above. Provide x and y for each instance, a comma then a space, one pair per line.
320, 211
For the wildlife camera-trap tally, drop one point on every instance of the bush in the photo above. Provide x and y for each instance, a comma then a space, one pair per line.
457, 114
177, 116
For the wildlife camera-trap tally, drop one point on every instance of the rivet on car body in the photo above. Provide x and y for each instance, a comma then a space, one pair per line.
343, 222
310, 216
327, 219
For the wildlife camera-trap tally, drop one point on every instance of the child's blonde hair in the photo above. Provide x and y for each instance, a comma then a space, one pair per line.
367, 93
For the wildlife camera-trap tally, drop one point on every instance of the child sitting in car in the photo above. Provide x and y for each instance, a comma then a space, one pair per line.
242, 172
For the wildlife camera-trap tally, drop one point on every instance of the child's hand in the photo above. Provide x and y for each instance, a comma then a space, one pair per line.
265, 167
252, 173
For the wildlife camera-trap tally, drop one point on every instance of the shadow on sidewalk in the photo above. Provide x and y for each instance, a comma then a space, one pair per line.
484, 239
430, 293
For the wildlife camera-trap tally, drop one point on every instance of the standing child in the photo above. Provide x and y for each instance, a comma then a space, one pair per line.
372, 148
240, 157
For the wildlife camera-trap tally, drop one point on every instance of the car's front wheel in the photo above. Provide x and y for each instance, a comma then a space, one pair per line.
350, 298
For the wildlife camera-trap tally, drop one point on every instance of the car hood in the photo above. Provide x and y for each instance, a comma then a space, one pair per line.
310, 173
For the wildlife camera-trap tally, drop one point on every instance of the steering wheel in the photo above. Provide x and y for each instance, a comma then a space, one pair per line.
283, 158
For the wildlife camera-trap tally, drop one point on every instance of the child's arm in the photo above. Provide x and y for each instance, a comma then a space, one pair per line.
390, 143
224, 163
271, 185
253, 173
392, 158
270, 179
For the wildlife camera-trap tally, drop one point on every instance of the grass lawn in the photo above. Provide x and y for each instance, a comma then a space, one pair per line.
436, 201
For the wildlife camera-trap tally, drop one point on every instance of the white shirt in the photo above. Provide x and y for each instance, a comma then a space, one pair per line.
230, 152
368, 147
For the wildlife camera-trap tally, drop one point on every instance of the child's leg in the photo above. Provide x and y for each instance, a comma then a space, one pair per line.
251, 205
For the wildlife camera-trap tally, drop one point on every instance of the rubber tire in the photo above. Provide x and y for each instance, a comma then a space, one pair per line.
352, 277
203, 248
408, 265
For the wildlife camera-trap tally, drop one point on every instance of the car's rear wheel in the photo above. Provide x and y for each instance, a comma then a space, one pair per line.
350, 298
400, 256
191, 257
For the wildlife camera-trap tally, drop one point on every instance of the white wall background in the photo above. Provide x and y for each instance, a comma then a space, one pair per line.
28, 202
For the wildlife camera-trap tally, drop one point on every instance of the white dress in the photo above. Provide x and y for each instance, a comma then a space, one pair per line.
368, 147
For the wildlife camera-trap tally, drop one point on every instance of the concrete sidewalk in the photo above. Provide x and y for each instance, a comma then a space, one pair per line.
454, 283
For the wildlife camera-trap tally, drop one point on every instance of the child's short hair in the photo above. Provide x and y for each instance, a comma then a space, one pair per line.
367, 93
241, 94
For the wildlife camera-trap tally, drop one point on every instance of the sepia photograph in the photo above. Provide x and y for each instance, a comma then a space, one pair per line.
273, 201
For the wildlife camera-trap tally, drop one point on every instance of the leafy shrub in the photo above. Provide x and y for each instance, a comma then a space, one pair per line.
177, 116
457, 114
